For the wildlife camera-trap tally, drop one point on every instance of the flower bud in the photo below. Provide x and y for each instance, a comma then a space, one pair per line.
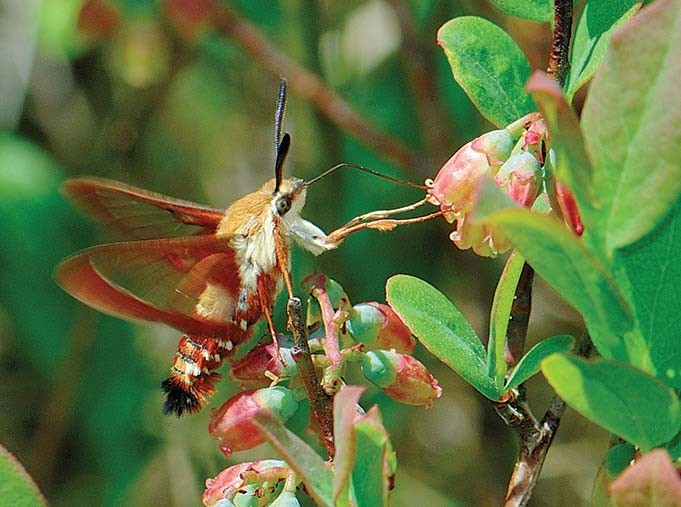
239, 480
536, 138
401, 377
455, 185
232, 424
568, 206
263, 363
520, 176
377, 326
495, 144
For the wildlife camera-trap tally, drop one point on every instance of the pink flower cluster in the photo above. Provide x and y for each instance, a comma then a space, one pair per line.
516, 159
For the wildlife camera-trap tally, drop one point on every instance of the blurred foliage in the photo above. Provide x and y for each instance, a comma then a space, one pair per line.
142, 92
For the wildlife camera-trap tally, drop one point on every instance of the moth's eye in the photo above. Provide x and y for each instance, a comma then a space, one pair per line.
283, 205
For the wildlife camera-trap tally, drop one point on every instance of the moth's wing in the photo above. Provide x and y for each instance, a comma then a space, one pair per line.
192, 284
138, 213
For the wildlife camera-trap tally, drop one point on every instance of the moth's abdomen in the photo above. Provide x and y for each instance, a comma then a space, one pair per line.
193, 376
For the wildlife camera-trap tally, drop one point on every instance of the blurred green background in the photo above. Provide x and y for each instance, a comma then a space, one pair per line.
148, 93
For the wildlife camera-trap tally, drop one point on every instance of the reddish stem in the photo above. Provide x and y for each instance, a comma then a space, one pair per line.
330, 342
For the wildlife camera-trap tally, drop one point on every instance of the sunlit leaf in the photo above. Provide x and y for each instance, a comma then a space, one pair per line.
596, 23
620, 398
16, 486
653, 270
489, 66
501, 311
530, 363
442, 329
534, 10
632, 125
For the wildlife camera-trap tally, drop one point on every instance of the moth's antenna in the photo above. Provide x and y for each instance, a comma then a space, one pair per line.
366, 170
282, 141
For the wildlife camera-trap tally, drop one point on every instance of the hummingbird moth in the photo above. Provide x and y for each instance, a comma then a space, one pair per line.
209, 273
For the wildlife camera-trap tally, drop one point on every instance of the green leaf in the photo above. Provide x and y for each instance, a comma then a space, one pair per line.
632, 125
597, 21
369, 475
501, 312
344, 414
618, 458
534, 10
674, 447
309, 466
652, 267
615, 395
489, 66
16, 486
442, 329
571, 163
651, 480
570, 268
530, 363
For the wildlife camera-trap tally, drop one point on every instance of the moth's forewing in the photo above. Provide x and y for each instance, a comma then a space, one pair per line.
136, 213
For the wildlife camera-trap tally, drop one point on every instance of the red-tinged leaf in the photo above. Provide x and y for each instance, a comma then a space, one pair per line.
651, 480
309, 466
572, 164
157, 281
140, 214
344, 414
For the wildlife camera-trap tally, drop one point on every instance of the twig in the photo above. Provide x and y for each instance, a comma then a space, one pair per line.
310, 86
320, 402
520, 317
559, 63
535, 440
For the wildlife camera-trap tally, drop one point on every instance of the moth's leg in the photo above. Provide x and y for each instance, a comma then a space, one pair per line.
336, 237
381, 214
281, 251
265, 306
